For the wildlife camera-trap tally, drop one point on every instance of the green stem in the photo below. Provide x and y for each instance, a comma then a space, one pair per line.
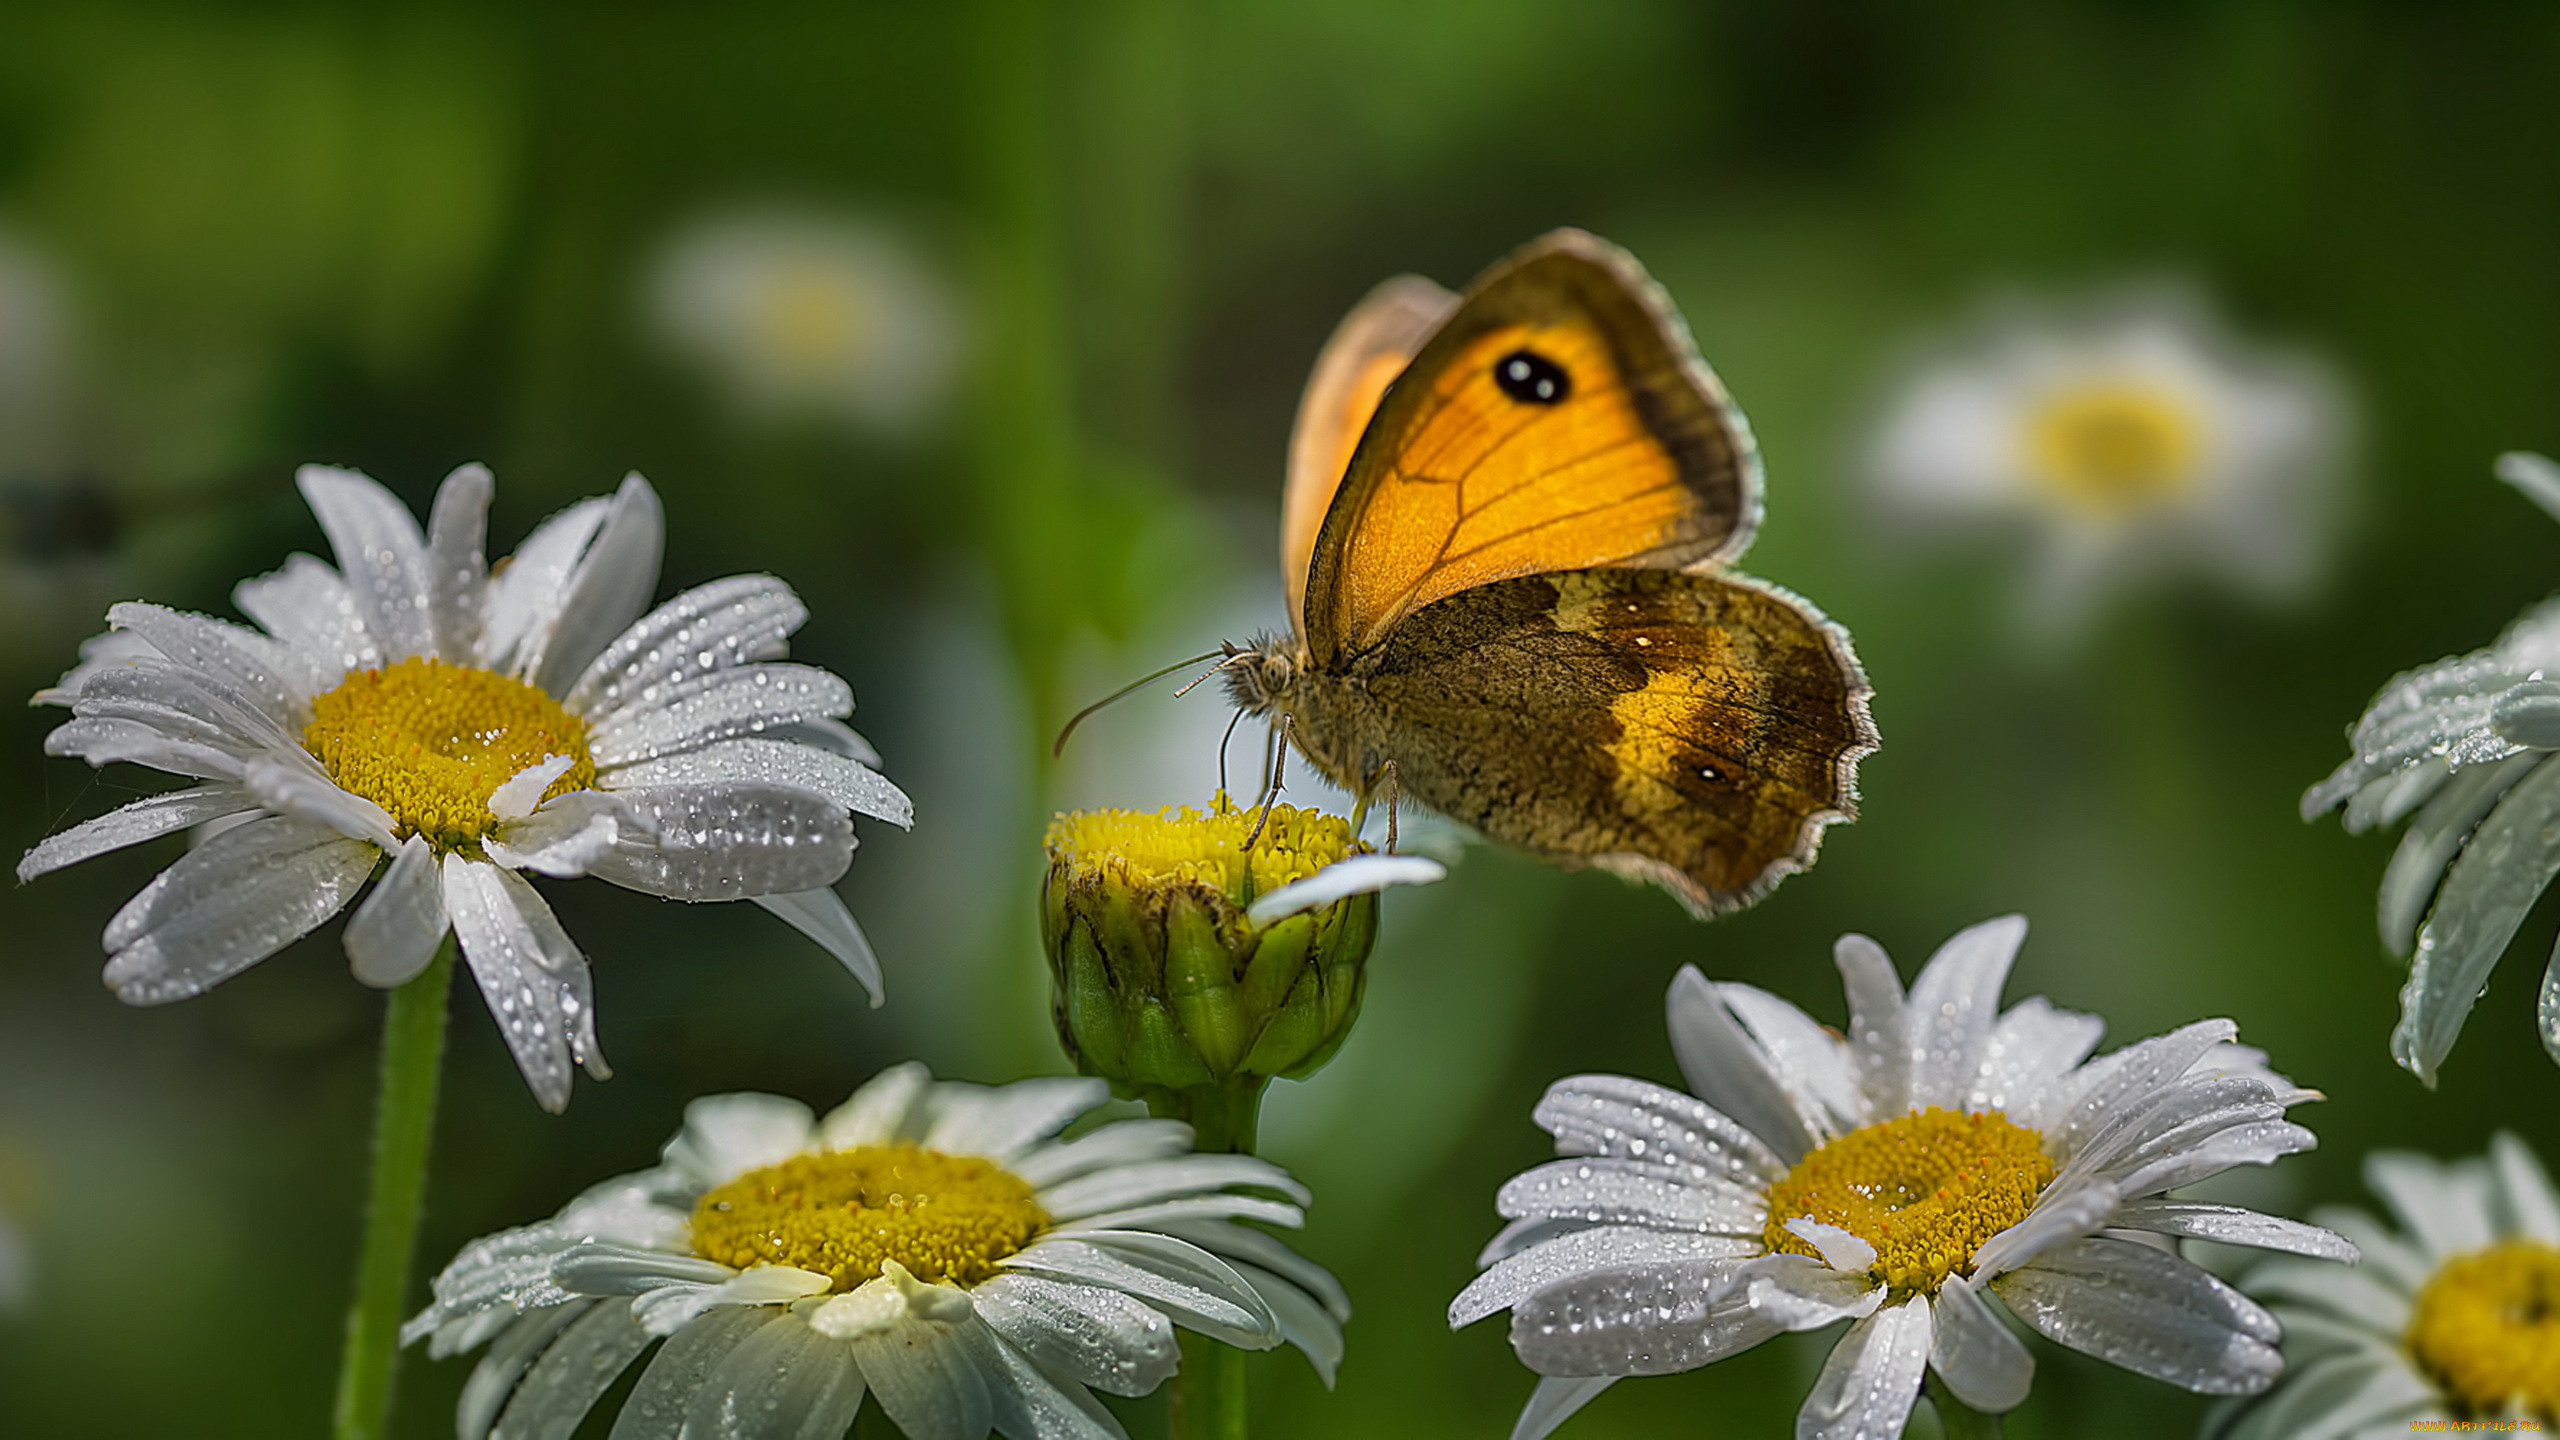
404, 1121
1209, 1391
1958, 1420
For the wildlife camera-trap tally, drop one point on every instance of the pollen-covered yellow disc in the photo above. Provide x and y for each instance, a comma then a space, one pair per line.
841, 1213
1925, 1189
2487, 1328
428, 742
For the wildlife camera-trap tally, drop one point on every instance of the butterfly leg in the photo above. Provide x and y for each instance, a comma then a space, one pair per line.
1382, 779
1279, 753
1232, 723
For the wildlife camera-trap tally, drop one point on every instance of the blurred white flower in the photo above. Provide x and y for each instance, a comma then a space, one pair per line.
1941, 1153
17, 1268
471, 723
2132, 437
2454, 1317
799, 315
930, 1242
2460, 745
35, 337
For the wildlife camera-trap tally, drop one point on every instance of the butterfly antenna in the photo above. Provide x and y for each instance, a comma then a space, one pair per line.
1222, 654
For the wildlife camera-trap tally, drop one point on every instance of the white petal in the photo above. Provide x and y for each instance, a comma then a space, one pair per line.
849, 783
494, 1379
925, 1378
183, 704
1232, 1242
104, 742
2524, 1187
2149, 1312
1953, 1004
1839, 1249
2110, 1089
657, 1407
1303, 1322
610, 589
1102, 1337
310, 609
1359, 875
1630, 1192
1800, 1294
1636, 1120
1982, 1362
458, 562
749, 700
1555, 1401
228, 904
574, 1373
832, 736
1812, 1063
2231, 1225
725, 1136
1163, 1214
728, 842
783, 1382
1879, 1040
2358, 1294
1000, 1120
240, 663
1636, 1320
1159, 1179
518, 794
530, 972
733, 621
2386, 1254
1872, 1379
2444, 1206
1197, 1289
2030, 1048
1123, 1142
144, 819
563, 839
2537, 477
1728, 1070
821, 915
2061, 1214
668, 1308
395, 932
878, 1113
98, 654
1027, 1400
298, 787
380, 553
1603, 1247
524, 596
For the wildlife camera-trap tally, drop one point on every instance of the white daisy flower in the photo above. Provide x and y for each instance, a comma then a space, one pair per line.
1945, 1152
2132, 436
2453, 1317
471, 722
2457, 748
796, 314
929, 1242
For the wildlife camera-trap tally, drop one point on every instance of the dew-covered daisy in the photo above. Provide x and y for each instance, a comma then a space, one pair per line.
1943, 1155
929, 1242
2453, 1317
811, 315
473, 723
2457, 749
2131, 436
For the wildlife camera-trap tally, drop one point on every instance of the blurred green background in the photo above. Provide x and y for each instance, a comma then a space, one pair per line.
405, 235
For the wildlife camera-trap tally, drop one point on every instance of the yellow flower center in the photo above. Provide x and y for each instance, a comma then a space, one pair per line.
428, 742
2487, 1328
1181, 846
812, 319
842, 1213
1926, 1190
2114, 449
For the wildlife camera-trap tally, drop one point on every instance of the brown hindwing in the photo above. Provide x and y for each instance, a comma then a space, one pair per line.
1697, 730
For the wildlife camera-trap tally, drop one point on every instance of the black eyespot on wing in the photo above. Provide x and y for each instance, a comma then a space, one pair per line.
1532, 378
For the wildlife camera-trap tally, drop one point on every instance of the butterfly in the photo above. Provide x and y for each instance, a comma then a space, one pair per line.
1505, 536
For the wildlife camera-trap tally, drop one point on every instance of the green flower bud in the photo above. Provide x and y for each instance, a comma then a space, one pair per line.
1163, 982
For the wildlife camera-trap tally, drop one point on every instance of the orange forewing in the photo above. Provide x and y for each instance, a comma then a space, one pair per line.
1365, 354
1456, 483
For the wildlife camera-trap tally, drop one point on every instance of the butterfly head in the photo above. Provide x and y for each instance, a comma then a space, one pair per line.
1262, 677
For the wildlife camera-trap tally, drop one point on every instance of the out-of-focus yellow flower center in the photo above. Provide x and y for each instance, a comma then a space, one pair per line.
1182, 846
2115, 449
2487, 1328
428, 742
843, 1212
1926, 1190
810, 319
